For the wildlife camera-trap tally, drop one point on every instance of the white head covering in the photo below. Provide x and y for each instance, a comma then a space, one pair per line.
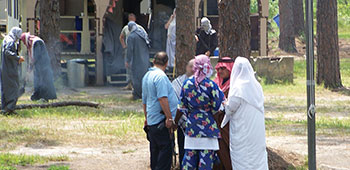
133, 27
244, 85
205, 25
14, 35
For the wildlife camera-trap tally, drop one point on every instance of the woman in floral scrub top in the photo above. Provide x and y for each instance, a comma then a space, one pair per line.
200, 99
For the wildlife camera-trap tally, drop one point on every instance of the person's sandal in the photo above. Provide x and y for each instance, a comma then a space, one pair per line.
128, 87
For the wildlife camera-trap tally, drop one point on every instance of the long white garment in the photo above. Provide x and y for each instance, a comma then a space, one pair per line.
245, 112
247, 136
171, 43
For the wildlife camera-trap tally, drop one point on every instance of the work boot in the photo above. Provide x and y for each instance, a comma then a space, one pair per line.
128, 87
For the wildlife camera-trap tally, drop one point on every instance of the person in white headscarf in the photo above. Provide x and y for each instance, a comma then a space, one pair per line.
171, 40
245, 111
10, 71
206, 37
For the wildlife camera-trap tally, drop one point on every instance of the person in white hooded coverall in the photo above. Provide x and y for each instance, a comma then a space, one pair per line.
245, 112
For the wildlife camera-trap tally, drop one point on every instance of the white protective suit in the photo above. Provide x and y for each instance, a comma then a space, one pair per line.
245, 111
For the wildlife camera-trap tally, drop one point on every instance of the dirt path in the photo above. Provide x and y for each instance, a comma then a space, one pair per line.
332, 153
133, 157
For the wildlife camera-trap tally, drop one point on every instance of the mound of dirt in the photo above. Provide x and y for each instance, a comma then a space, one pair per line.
280, 160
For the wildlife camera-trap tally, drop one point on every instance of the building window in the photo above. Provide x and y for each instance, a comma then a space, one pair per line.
17, 7
212, 7
9, 8
15, 11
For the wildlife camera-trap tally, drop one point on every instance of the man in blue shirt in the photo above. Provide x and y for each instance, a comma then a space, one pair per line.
159, 105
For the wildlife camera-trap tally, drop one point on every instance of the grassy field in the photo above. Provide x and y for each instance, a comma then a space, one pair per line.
120, 119
287, 105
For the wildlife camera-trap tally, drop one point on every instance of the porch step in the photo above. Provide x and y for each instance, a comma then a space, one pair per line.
117, 79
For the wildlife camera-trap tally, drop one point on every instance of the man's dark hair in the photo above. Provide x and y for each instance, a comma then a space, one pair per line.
132, 15
161, 58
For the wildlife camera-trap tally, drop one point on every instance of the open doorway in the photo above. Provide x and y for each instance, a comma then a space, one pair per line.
134, 6
117, 17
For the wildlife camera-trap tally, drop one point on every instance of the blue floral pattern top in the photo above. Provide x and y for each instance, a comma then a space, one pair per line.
199, 104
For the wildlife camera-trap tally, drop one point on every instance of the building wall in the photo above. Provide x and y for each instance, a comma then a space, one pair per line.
13, 18
74, 7
3, 14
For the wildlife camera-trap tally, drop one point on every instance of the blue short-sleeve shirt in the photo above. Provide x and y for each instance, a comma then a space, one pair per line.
155, 85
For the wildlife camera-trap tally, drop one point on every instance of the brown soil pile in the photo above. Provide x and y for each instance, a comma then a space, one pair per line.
280, 160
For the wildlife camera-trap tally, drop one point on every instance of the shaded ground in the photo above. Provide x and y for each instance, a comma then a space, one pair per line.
344, 48
133, 156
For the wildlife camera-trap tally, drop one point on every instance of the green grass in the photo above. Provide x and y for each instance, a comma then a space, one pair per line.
301, 167
10, 161
13, 134
58, 167
7, 167
324, 126
286, 105
299, 85
345, 71
344, 35
120, 120
44, 126
56, 126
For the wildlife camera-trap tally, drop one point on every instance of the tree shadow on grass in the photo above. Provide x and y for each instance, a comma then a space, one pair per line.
343, 90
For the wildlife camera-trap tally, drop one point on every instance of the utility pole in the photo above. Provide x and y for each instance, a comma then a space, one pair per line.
311, 108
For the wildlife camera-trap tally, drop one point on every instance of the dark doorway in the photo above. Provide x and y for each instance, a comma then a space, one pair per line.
134, 6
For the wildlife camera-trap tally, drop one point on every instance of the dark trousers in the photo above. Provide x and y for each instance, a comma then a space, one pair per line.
224, 143
181, 144
160, 147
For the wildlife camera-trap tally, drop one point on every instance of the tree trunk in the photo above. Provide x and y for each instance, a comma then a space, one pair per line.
287, 32
185, 31
328, 70
50, 32
58, 104
298, 14
234, 28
